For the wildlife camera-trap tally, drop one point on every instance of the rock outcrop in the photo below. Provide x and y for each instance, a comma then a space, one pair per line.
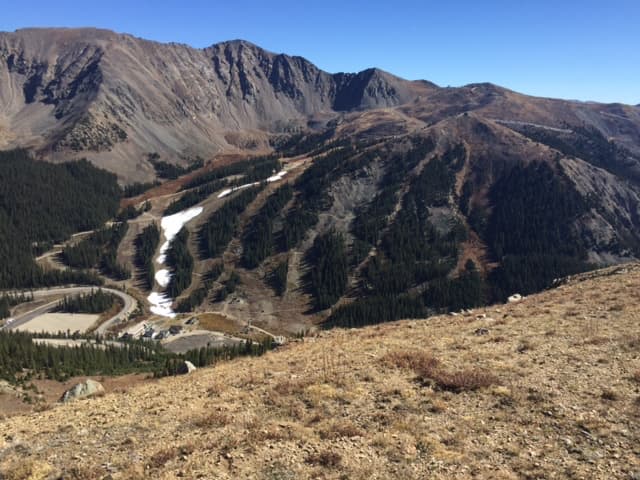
88, 388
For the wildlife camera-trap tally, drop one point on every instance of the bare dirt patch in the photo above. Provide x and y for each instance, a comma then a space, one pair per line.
60, 322
217, 322
198, 339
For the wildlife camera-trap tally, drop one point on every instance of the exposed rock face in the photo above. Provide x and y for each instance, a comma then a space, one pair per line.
89, 388
114, 97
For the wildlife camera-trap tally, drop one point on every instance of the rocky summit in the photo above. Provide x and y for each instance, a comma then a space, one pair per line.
114, 98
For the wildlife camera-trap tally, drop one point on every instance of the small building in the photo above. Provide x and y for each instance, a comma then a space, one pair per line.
162, 335
148, 333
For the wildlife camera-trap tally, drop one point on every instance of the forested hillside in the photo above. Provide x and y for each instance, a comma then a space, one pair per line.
42, 203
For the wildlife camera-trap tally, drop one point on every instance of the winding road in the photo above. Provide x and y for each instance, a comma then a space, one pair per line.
130, 304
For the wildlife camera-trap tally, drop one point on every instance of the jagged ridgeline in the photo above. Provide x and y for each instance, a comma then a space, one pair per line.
43, 203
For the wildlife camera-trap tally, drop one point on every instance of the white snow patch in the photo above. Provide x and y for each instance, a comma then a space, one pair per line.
171, 225
277, 176
161, 305
163, 277
274, 178
226, 192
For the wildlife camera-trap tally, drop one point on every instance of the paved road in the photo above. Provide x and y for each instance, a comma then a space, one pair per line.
130, 304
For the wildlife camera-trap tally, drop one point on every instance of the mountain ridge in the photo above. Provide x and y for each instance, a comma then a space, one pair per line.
425, 192
114, 98
98, 92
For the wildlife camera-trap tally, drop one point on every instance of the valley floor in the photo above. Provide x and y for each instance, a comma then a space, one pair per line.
545, 388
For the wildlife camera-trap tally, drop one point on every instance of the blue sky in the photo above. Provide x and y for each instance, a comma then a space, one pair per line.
585, 50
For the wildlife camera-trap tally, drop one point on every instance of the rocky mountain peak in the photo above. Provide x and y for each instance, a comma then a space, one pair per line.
95, 92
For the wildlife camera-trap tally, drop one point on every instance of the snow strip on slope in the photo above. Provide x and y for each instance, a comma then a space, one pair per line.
274, 178
171, 225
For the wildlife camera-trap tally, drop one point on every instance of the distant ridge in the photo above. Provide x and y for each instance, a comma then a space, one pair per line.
114, 98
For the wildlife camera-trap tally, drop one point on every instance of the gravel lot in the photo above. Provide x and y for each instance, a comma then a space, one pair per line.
56, 322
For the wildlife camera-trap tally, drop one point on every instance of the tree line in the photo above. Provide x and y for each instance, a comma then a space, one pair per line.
22, 360
252, 169
277, 278
8, 300
97, 301
220, 227
228, 286
43, 203
327, 277
199, 295
372, 219
195, 196
146, 244
99, 250
180, 262
258, 241
171, 171
312, 194
138, 188
530, 230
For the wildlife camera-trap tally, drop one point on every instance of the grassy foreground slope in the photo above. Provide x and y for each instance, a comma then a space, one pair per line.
545, 388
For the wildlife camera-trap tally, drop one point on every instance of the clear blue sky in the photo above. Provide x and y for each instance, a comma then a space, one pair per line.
579, 49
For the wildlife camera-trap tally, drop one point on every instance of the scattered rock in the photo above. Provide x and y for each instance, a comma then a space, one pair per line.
481, 331
186, 367
89, 388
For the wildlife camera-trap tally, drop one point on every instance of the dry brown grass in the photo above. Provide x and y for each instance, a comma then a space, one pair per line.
609, 395
416, 360
162, 457
464, 380
325, 458
215, 419
340, 429
429, 368
26, 470
292, 386
216, 322
411, 399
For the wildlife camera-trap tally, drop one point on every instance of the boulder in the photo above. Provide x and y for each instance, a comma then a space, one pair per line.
89, 388
516, 297
186, 367
7, 389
